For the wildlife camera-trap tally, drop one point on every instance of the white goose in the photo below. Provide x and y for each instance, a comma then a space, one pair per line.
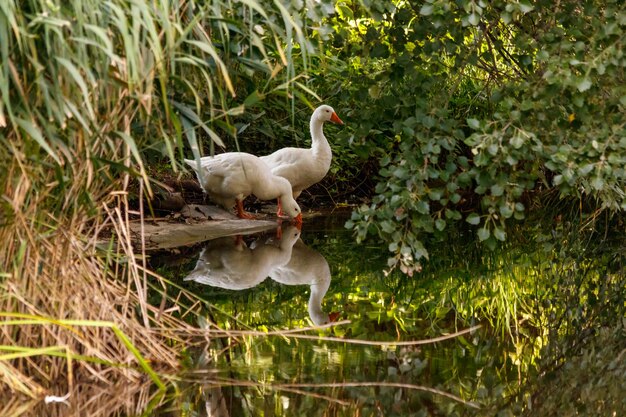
228, 178
305, 167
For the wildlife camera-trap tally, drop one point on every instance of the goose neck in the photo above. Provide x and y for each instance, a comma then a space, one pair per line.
319, 144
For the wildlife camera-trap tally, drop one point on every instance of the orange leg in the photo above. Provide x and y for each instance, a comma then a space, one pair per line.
279, 212
241, 213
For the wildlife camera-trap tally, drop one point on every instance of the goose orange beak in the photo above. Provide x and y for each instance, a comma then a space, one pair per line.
335, 119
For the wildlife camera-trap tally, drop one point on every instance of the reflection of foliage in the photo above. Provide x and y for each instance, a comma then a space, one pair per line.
591, 383
554, 295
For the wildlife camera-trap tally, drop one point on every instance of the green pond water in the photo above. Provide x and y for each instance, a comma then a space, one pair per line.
545, 303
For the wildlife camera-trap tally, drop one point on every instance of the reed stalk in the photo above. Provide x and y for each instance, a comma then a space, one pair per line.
91, 92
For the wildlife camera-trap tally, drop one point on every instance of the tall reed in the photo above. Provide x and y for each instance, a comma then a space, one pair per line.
88, 90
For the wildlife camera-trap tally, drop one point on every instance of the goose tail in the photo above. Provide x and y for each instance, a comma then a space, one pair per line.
198, 170
192, 163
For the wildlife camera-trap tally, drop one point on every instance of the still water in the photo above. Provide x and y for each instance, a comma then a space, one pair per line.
374, 362
537, 305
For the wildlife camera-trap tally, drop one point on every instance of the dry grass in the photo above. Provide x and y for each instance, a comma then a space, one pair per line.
75, 317
88, 399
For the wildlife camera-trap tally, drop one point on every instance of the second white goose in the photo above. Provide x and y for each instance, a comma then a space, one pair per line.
303, 167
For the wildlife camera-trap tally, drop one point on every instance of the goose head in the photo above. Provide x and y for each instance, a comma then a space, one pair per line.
288, 203
325, 113
291, 208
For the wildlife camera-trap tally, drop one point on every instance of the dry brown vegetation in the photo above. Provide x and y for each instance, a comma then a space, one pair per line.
75, 316
82, 95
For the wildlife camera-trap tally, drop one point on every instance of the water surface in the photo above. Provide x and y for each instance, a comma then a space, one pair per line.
267, 283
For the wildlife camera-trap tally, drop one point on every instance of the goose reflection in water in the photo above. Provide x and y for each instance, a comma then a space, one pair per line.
230, 264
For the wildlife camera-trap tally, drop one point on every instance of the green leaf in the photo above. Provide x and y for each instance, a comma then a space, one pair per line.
345, 12
387, 226
464, 178
585, 169
426, 10
33, 131
189, 114
543, 55
380, 50
308, 90
473, 219
208, 48
483, 234
453, 214
497, 190
422, 207
491, 243
190, 133
597, 183
473, 123
474, 19
506, 211
525, 6
440, 224
517, 141
583, 84
435, 194
374, 91
499, 234
134, 150
253, 98
80, 81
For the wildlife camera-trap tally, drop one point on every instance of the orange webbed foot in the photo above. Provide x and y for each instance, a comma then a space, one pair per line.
241, 213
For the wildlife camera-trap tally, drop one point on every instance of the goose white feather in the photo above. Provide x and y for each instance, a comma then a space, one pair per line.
228, 178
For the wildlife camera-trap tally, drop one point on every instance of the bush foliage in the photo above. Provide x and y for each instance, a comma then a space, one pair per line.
474, 106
